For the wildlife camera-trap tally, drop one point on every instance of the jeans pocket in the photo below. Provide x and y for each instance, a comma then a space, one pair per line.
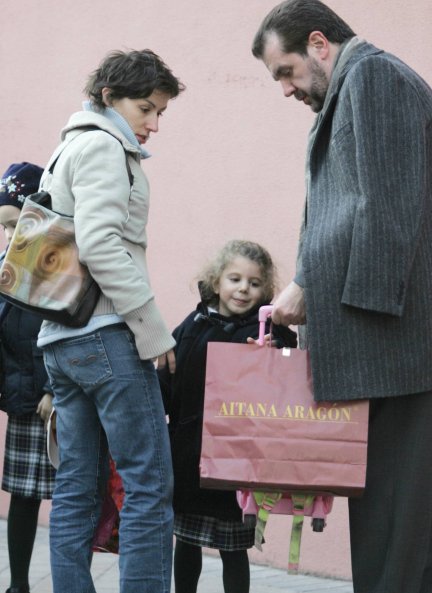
83, 359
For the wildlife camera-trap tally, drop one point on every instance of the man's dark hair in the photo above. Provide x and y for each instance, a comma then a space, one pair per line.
135, 75
294, 20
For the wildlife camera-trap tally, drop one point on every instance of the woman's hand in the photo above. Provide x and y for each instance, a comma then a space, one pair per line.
45, 407
168, 358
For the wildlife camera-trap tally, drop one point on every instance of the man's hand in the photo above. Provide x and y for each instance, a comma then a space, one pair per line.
168, 358
289, 307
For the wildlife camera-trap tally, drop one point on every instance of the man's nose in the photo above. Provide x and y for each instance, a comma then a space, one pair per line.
287, 88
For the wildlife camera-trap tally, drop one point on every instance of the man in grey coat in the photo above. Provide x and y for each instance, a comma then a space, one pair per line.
364, 276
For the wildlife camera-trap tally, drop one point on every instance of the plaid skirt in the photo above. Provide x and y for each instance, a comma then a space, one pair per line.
27, 470
209, 532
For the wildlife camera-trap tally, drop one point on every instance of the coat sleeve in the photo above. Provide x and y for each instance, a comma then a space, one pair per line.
284, 336
299, 277
389, 137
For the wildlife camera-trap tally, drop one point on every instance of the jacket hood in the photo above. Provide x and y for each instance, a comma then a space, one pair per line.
84, 119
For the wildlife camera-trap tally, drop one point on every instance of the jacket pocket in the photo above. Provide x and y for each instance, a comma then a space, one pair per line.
186, 451
40, 377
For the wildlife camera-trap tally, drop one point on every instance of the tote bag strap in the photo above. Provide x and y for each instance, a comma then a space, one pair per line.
61, 148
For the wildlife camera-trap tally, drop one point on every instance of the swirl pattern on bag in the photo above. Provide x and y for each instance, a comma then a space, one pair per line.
9, 276
41, 265
31, 225
56, 254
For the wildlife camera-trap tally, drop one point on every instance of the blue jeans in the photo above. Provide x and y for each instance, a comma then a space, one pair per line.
106, 397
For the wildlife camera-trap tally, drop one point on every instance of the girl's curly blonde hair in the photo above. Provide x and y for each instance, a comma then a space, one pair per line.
210, 275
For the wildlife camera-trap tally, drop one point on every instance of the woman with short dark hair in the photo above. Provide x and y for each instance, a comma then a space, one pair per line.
106, 392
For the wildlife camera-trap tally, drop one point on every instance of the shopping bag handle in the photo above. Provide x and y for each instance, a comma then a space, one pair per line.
263, 314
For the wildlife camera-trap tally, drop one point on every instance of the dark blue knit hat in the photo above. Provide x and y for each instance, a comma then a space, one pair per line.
19, 181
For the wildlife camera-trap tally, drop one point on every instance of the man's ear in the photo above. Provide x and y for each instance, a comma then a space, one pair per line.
318, 45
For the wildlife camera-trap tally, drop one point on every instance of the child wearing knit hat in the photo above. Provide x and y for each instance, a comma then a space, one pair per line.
25, 396
19, 181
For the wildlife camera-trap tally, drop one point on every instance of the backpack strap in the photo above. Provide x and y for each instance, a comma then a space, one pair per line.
300, 501
266, 502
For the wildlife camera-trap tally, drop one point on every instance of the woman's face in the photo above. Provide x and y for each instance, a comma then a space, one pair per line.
141, 114
8, 220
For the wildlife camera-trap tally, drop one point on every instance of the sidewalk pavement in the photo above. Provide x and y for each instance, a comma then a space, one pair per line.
105, 573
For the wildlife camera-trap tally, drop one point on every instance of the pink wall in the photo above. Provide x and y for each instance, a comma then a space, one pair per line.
229, 157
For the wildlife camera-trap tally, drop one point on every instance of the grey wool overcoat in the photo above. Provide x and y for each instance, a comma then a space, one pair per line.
365, 256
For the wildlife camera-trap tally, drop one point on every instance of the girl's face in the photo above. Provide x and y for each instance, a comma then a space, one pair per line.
142, 115
240, 287
8, 220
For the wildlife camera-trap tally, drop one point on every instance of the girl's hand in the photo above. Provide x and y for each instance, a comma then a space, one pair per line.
267, 341
45, 407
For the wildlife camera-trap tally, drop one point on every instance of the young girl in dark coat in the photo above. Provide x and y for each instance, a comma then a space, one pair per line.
26, 397
232, 287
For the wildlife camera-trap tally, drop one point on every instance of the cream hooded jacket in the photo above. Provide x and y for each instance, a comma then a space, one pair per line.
90, 181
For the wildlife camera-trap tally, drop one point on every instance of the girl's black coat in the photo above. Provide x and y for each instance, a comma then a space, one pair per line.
183, 395
23, 375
